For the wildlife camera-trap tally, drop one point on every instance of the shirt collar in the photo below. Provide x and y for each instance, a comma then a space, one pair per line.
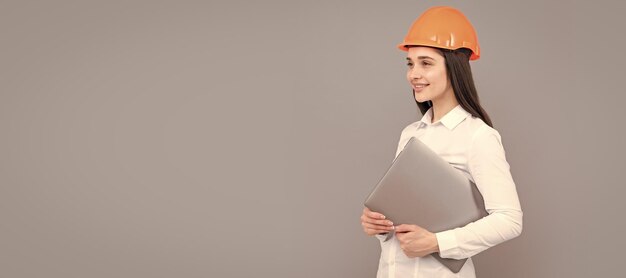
450, 120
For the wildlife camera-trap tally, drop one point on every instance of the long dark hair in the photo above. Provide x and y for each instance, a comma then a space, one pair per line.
460, 75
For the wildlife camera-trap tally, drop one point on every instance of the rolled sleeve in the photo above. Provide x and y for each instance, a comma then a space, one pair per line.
448, 246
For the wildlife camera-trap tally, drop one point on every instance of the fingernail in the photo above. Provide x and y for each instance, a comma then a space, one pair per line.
382, 217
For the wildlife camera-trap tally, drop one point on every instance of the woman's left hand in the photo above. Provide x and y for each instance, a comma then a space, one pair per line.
416, 241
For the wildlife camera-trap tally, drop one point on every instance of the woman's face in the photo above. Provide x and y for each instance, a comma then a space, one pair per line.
427, 74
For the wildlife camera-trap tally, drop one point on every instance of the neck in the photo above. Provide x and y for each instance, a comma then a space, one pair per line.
441, 107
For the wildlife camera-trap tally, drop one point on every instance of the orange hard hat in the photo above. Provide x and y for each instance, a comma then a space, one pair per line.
443, 27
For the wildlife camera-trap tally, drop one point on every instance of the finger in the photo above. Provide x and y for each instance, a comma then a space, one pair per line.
400, 237
376, 232
406, 228
373, 214
372, 232
404, 237
377, 222
376, 227
366, 218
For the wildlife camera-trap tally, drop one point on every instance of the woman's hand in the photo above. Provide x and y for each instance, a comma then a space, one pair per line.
375, 223
416, 241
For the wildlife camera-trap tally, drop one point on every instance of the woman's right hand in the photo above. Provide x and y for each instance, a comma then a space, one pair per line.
375, 223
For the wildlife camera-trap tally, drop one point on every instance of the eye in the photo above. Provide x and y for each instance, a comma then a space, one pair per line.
409, 64
424, 63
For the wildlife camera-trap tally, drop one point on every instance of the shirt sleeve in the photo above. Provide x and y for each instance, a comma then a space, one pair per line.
491, 173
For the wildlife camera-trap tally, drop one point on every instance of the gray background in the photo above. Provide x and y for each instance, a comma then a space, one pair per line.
239, 138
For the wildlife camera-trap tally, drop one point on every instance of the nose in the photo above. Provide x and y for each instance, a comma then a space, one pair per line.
415, 73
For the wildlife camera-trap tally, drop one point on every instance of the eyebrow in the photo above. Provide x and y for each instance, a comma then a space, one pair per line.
421, 58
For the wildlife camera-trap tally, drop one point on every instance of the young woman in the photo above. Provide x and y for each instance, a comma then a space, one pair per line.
439, 46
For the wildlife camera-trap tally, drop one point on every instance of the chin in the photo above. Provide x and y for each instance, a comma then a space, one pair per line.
421, 100
420, 97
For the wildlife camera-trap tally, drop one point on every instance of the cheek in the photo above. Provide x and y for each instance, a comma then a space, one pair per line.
440, 79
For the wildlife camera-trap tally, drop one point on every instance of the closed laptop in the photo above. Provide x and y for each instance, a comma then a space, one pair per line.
423, 189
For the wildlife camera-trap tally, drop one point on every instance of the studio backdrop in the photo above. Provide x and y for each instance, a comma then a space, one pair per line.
240, 138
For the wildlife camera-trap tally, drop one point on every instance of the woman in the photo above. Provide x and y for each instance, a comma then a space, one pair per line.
439, 46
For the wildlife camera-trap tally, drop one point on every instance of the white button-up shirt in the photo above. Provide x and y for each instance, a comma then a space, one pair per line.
475, 149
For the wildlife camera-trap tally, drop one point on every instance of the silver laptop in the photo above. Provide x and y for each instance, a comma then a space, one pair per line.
423, 189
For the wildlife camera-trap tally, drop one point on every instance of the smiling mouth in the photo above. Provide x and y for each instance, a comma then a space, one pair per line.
419, 87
